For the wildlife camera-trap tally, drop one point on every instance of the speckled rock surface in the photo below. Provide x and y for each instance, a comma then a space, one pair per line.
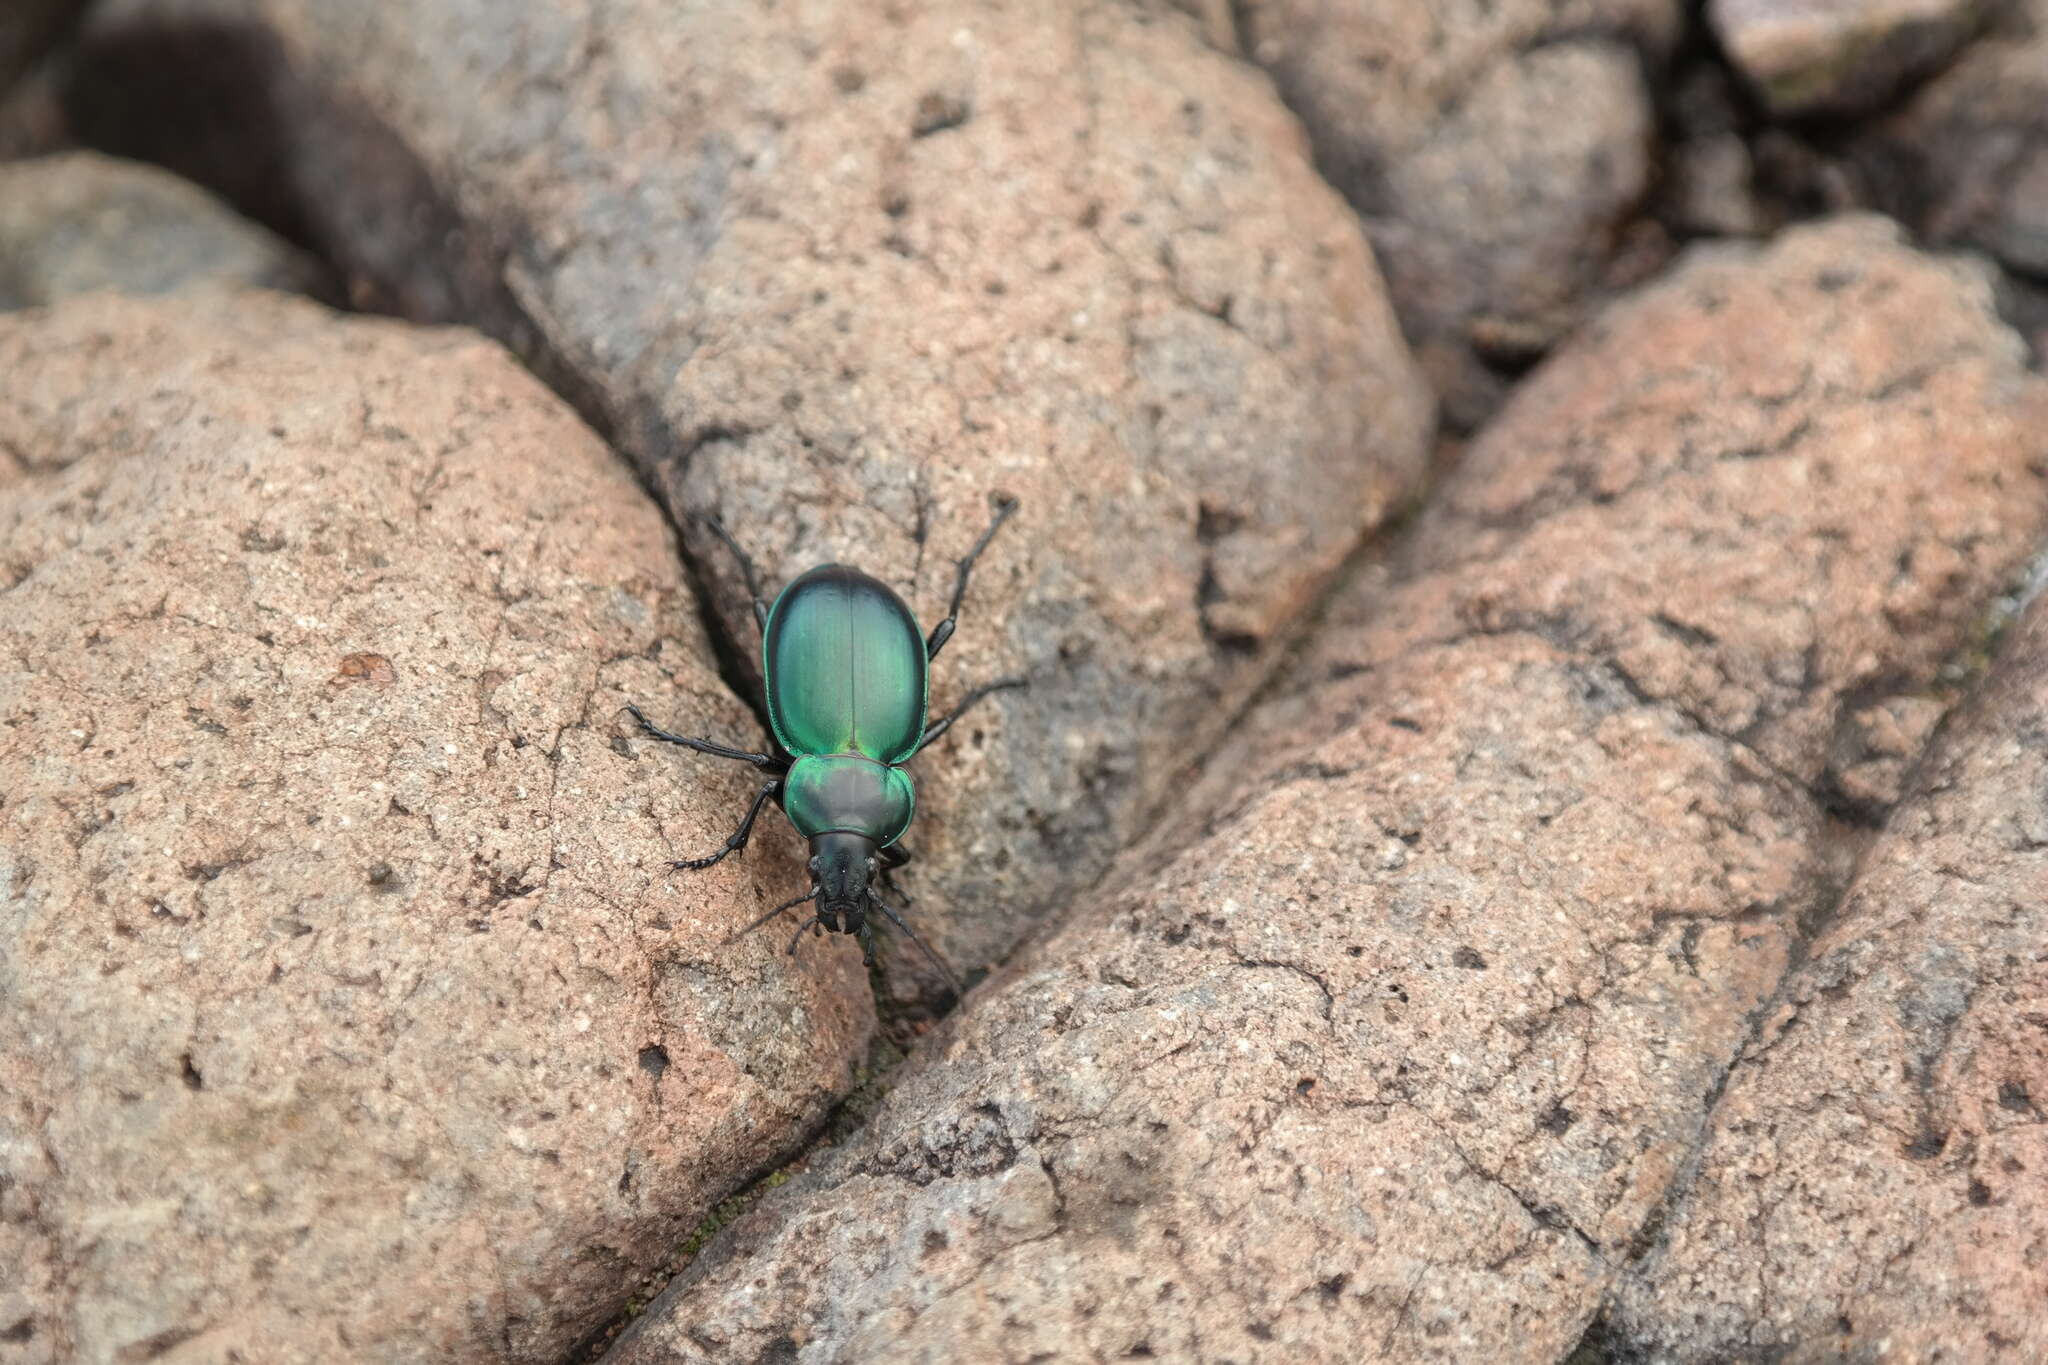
1855, 374
1494, 150
79, 222
1873, 1187
1966, 160
841, 272
1397, 1043
347, 1008
1839, 56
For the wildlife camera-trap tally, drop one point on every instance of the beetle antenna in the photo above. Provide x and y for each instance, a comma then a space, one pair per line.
809, 895
798, 937
897, 920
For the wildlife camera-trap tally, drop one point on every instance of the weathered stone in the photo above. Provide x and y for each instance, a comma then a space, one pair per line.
1494, 151
1872, 1188
840, 272
1399, 1033
1966, 160
79, 222
1840, 360
348, 1009
1839, 56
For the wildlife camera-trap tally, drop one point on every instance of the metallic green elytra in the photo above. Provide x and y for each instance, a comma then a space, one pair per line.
847, 678
845, 667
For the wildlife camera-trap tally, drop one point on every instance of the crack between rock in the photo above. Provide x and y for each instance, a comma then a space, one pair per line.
1329, 1000
1544, 1216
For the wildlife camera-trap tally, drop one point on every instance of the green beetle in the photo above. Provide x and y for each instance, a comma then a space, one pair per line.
847, 677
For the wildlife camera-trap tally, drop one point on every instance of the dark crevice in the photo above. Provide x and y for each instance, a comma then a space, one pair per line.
1240, 13
222, 104
666, 459
1809, 927
845, 1118
2022, 304
1600, 1345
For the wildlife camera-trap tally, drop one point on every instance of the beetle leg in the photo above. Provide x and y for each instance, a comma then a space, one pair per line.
747, 570
708, 746
932, 733
943, 631
867, 946
739, 837
893, 857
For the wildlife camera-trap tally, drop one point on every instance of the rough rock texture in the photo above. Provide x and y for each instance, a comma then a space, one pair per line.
1967, 159
842, 271
350, 1011
1872, 1190
1839, 56
1403, 1042
1853, 373
79, 222
1494, 149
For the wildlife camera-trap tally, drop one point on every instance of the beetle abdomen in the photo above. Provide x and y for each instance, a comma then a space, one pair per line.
845, 667
848, 793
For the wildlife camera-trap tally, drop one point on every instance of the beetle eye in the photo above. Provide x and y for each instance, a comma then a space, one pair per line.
814, 864
871, 867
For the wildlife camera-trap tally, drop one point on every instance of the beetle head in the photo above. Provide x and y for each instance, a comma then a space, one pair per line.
842, 864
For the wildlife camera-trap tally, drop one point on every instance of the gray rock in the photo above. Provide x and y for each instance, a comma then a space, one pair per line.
79, 222
348, 1007
1839, 56
843, 274
1494, 150
1871, 1187
1966, 160
1401, 1030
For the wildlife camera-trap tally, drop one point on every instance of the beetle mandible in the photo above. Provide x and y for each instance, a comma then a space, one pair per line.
847, 677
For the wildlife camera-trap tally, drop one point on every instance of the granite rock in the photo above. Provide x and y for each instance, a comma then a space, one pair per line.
1401, 1030
842, 274
348, 1008
1871, 1188
78, 222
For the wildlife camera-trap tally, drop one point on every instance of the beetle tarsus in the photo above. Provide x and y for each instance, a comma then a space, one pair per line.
738, 839
943, 631
945, 724
705, 746
893, 859
748, 574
